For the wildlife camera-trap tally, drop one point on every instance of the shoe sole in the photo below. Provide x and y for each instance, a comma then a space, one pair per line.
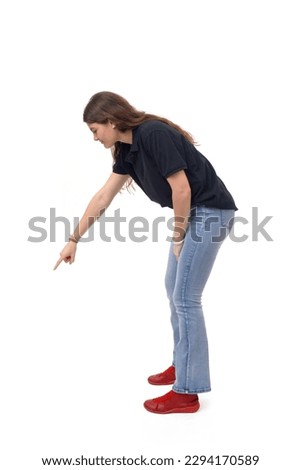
161, 383
188, 409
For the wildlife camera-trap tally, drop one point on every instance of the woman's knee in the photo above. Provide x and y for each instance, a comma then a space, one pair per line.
183, 300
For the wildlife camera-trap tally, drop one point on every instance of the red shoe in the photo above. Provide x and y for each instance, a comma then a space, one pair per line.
173, 402
167, 377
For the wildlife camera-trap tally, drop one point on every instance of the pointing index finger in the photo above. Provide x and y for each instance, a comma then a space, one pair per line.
57, 264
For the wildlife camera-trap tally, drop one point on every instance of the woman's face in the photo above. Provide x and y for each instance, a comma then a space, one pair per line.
106, 134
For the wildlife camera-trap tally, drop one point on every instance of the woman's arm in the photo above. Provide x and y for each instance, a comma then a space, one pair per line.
99, 203
181, 199
96, 207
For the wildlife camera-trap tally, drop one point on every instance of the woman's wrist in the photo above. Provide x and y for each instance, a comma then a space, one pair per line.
72, 239
179, 236
179, 242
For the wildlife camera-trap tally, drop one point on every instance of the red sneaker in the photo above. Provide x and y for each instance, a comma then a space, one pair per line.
167, 377
173, 402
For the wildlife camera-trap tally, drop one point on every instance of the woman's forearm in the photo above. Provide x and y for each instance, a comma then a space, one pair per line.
99, 203
181, 201
94, 210
181, 206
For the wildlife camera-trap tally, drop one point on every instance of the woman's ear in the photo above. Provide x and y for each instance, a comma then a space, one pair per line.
112, 124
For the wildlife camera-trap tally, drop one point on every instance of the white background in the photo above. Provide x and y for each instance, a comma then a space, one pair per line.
77, 344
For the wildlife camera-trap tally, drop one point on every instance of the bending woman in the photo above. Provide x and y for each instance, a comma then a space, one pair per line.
161, 158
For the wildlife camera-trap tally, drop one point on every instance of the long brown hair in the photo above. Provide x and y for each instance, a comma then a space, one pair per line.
107, 106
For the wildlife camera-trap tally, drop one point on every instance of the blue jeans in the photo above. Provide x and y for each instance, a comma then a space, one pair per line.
185, 281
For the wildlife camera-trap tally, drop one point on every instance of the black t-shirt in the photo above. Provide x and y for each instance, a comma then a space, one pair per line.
157, 151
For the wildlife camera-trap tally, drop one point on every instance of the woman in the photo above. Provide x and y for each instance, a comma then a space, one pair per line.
161, 158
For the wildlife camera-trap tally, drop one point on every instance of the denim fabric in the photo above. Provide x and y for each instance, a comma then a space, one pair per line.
185, 281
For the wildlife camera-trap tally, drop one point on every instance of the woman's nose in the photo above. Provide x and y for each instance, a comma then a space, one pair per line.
95, 137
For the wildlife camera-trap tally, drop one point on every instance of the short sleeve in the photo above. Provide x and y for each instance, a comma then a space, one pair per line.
119, 168
165, 147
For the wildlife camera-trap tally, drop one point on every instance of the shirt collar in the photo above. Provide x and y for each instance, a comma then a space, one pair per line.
135, 137
129, 151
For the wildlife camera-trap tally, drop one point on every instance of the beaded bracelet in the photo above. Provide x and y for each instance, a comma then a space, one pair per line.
71, 239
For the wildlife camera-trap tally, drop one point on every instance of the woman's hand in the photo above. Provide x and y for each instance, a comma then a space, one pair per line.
67, 254
177, 248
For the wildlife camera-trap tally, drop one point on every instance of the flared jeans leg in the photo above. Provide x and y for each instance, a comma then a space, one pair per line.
185, 282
